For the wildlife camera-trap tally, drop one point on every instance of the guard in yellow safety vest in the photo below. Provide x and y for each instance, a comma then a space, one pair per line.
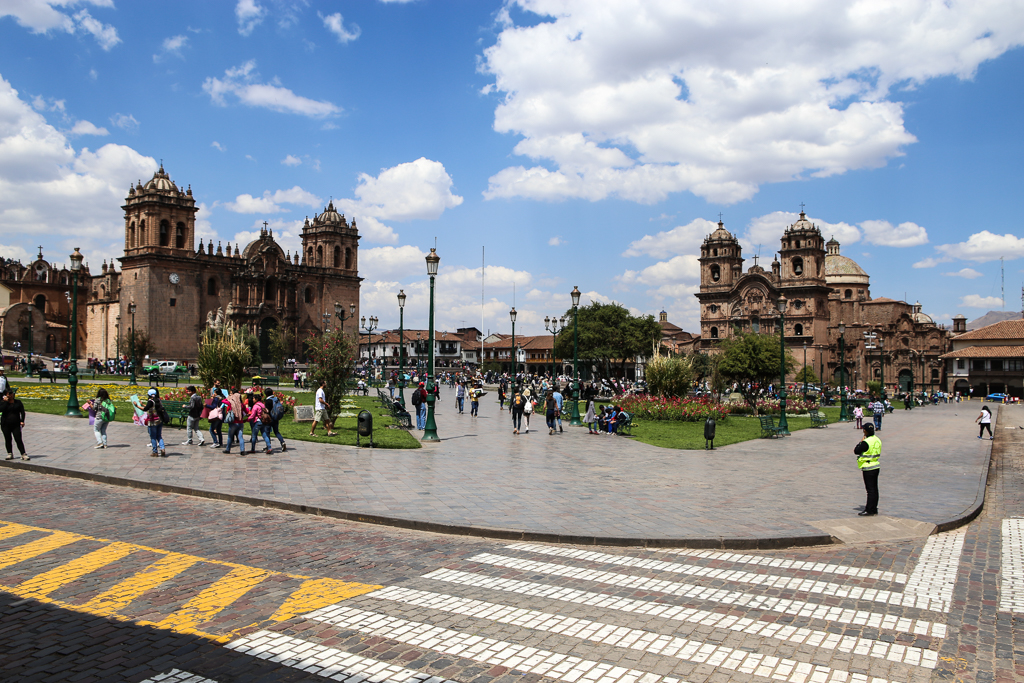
869, 452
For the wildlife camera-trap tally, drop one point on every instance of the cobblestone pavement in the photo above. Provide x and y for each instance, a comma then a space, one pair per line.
573, 486
102, 583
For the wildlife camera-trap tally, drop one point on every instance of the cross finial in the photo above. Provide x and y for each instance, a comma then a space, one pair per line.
40, 252
801, 207
755, 258
719, 216
265, 225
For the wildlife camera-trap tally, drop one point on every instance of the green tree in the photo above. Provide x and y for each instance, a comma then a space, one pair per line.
752, 361
332, 358
143, 346
701, 365
806, 374
875, 388
280, 343
224, 354
669, 376
608, 334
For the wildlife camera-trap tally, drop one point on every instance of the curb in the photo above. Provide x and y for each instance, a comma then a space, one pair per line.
707, 543
978, 505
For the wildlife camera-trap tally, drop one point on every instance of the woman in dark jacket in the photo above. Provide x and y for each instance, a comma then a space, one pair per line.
12, 419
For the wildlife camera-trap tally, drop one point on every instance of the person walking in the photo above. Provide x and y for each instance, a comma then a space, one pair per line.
103, 411
516, 407
195, 411
12, 421
984, 421
591, 417
858, 416
527, 409
558, 408
320, 407
256, 417
549, 411
272, 422
419, 402
154, 410
877, 411
868, 453
460, 396
235, 417
501, 396
215, 416
474, 406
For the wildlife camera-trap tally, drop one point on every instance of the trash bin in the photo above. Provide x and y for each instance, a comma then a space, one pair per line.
364, 426
709, 434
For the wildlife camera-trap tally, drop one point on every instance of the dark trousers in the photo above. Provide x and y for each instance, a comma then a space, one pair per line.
517, 419
15, 433
871, 486
983, 427
878, 421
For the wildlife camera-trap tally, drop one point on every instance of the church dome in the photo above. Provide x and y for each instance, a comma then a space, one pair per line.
803, 225
161, 182
330, 215
721, 234
841, 269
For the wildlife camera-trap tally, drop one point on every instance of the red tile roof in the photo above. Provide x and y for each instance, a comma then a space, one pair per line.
987, 352
1007, 329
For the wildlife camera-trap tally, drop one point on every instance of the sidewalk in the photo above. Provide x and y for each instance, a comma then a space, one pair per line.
483, 480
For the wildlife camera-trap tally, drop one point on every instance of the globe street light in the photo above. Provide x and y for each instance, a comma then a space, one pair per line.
575, 295
844, 416
515, 375
131, 340
339, 314
369, 331
73, 408
327, 322
31, 311
401, 347
430, 430
783, 423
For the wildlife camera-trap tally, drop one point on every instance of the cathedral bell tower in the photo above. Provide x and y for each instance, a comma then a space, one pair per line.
721, 261
802, 254
159, 218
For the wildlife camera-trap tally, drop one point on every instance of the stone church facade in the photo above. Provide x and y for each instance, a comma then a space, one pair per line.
177, 287
885, 340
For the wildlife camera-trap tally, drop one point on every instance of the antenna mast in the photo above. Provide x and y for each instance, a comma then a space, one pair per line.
1002, 281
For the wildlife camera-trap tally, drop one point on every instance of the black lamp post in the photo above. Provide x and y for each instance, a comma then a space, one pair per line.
131, 341
73, 408
339, 314
844, 415
515, 375
554, 326
575, 295
117, 330
430, 431
31, 312
401, 347
805, 372
369, 332
783, 422
327, 322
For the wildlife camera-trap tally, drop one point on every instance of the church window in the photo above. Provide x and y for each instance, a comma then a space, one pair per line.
935, 374
211, 286
848, 294
716, 273
798, 330
173, 302
24, 334
40, 303
319, 255
798, 266
337, 257
270, 290
309, 256
714, 333
798, 304
755, 324
714, 252
179, 236
713, 308
348, 258
165, 234
308, 296
131, 235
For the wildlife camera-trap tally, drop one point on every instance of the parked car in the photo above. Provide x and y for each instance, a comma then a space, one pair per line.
165, 367
996, 398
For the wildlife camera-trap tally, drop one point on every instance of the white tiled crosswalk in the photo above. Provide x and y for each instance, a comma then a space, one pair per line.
573, 614
1011, 570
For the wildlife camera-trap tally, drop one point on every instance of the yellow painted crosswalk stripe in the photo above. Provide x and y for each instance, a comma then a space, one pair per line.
115, 599
43, 584
312, 594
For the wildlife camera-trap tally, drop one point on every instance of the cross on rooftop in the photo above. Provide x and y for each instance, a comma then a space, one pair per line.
801, 207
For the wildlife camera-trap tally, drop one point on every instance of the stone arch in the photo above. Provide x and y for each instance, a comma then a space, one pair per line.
165, 233
211, 286
798, 266
267, 328
348, 258
337, 257
319, 255
179, 235
307, 296
40, 302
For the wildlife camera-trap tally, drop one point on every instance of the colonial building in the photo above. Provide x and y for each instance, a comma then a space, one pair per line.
987, 360
825, 292
178, 289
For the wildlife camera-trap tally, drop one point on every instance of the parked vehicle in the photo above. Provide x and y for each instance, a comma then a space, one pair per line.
996, 398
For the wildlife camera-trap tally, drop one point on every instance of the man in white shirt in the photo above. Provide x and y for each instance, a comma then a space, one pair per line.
320, 407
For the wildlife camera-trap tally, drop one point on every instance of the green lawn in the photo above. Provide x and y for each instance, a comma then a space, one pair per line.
290, 430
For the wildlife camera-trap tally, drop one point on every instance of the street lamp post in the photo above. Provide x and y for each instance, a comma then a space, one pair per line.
783, 422
31, 312
73, 408
554, 325
575, 295
401, 347
327, 322
805, 372
369, 331
131, 342
117, 330
430, 431
844, 416
515, 374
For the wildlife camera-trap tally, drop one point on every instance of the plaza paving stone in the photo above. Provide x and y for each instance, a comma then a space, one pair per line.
571, 487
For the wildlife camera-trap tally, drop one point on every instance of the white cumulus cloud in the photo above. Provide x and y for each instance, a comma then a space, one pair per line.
931, 262
978, 301
271, 202
334, 24
640, 100
291, 160
886, 234
171, 47
682, 239
985, 246
88, 128
243, 82
966, 273
249, 14
43, 16
125, 122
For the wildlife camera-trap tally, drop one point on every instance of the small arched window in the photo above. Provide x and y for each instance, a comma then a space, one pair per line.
798, 266
179, 236
848, 294
714, 333
798, 330
308, 295
211, 286
716, 273
309, 256
131, 235
270, 290
40, 303
714, 252
337, 257
348, 258
165, 234
319, 255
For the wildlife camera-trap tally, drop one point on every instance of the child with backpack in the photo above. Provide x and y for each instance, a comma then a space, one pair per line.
274, 411
156, 417
103, 411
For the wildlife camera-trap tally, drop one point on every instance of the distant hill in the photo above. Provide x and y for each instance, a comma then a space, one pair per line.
993, 317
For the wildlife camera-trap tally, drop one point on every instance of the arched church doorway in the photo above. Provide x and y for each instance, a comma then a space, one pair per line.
840, 378
267, 329
906, 380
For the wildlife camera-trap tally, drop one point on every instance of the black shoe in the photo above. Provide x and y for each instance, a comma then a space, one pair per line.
866, 514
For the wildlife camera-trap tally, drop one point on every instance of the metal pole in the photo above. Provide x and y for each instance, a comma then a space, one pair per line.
575, 369
30, 335
844, 416
401, 355
783, 423
805, 372
430, 431
131, 341
73, 408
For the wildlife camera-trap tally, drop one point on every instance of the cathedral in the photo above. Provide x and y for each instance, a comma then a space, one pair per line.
824, 292
177, 289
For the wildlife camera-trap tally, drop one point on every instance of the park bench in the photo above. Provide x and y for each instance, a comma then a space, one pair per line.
178, 410
384, 398
769, 430
400, 415
165, 379
266, 381
818, 418
623, 425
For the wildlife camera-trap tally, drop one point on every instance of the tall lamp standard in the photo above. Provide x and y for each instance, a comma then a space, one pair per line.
783, 422
844, 415
515, 375
369, 331
339, 314
73, 409
401, 347
131, 340
31, 312
575, 294
430, 430
805, 372
117, 330
554, 326
327, 322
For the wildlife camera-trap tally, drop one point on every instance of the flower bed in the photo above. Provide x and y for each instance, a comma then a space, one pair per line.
645, 407
118, 392
770, 406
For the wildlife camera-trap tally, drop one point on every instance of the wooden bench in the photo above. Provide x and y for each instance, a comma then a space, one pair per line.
818, 419
178, 410
266, 381
769, 430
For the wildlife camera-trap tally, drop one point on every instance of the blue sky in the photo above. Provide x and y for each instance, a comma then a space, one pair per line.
579, 143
